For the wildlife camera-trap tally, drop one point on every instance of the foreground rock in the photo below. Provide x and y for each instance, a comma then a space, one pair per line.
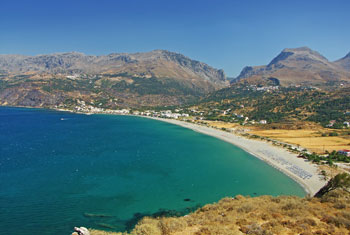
81, 231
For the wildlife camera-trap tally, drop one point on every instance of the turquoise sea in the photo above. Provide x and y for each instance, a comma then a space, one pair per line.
59, 170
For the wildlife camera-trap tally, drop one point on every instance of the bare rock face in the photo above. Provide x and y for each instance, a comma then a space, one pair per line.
199, 68
156, 78
344, 62
157, 63
299, 66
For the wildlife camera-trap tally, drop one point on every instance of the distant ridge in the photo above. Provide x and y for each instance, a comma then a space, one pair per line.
301, 65
158, 63
344, 62
155, 78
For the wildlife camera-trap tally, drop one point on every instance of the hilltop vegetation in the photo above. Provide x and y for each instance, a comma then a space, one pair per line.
105, 91
277, 104
326, 214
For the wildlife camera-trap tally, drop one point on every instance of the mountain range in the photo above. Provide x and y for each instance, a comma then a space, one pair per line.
155, 78
344, 62
300, 66
157, 63
149, 79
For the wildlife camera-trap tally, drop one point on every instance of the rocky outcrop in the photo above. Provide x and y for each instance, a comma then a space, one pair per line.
81, 231
157, 63
344, 62
199, 68
156, 78
300, 66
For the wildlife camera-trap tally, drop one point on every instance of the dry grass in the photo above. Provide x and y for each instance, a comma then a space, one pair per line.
309, 139
331, 171
260, 215
219, 124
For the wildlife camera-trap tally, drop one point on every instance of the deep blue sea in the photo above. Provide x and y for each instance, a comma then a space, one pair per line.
59, 170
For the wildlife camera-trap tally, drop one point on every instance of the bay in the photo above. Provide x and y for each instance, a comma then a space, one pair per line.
59, 170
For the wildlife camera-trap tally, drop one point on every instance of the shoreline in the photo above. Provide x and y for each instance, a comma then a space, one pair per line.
299, 170
303, 172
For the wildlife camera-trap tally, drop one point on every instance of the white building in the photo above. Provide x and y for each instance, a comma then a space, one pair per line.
263, 122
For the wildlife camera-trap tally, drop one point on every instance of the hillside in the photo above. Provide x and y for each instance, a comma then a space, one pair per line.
328, 214
277, 105
155, 78
300, 66
344, 62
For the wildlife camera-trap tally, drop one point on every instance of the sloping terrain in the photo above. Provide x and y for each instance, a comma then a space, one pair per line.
344, 62
287, 105
300, 66
155, 78
157, 63
258, 215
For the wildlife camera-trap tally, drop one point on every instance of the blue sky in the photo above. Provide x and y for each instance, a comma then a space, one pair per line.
228, 34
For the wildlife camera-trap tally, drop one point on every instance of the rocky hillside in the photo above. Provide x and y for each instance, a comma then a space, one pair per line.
344, 62
300, 66
157, 63
153, 78
286, 215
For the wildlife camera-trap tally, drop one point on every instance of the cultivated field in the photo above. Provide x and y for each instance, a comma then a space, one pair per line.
314, 140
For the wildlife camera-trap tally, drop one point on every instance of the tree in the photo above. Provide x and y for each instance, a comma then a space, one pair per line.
341, 180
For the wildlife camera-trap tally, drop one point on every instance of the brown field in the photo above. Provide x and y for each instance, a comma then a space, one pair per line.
219, 124
309, 139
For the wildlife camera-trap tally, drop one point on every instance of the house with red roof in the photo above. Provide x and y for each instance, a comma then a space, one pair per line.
345, 152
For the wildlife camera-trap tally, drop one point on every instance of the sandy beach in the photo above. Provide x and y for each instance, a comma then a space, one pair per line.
303, 172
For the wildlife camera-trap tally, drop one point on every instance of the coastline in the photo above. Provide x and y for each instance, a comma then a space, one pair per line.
300, 170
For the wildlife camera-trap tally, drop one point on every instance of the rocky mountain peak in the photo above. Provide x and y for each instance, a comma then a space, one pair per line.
70, 53
154, 78
156, 63
300, 65
299, 57
298, 49
200, 68
347, 57
344, 62
301, 54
